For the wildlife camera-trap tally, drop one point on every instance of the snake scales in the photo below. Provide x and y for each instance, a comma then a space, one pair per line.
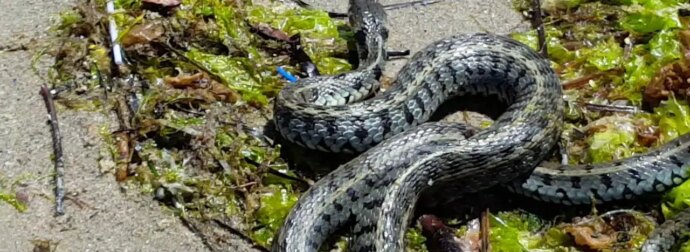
403, 156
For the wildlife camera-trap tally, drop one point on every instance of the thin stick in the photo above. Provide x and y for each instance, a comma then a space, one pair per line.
57, 151
612, 108
538, 23
484, 230
396, 6
410, 4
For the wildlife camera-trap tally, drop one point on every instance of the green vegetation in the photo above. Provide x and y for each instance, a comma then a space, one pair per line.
621, 53
13, 194
615, 53
192, 99
13, 201
202, 76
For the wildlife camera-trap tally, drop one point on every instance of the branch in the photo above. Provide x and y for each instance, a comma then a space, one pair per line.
484, 231
538, 23
57, 151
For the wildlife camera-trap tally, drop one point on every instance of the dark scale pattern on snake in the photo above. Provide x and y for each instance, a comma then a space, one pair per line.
402, 155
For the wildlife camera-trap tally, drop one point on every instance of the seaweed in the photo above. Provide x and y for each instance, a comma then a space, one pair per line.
610, 55
190, 99
193, 96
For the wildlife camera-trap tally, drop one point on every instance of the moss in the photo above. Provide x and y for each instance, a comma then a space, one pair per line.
415, 240
604, 56
611, 144
674, 119
519, 231
68, 19
275, 206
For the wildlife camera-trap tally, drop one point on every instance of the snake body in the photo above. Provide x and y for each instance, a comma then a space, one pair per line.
402, 155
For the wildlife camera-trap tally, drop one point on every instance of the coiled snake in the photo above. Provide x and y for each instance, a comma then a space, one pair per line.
403, 156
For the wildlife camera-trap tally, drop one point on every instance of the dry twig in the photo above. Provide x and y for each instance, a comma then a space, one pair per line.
410, 4
612, 108
484, 230
538, 23
394, 6
57, 151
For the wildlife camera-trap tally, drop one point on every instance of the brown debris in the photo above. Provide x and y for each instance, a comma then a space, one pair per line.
584, 80
122, 155
647, 135
143, 34
672, 79
611, 231
268, 32
122, 141
41, 245
23, 196
186, 81
439, 236
223, 93
201, 85
587, 236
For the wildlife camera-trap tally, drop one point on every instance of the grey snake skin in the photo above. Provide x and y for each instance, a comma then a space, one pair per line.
402, 154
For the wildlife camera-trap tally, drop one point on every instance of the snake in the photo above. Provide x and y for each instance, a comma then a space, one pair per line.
401, 155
